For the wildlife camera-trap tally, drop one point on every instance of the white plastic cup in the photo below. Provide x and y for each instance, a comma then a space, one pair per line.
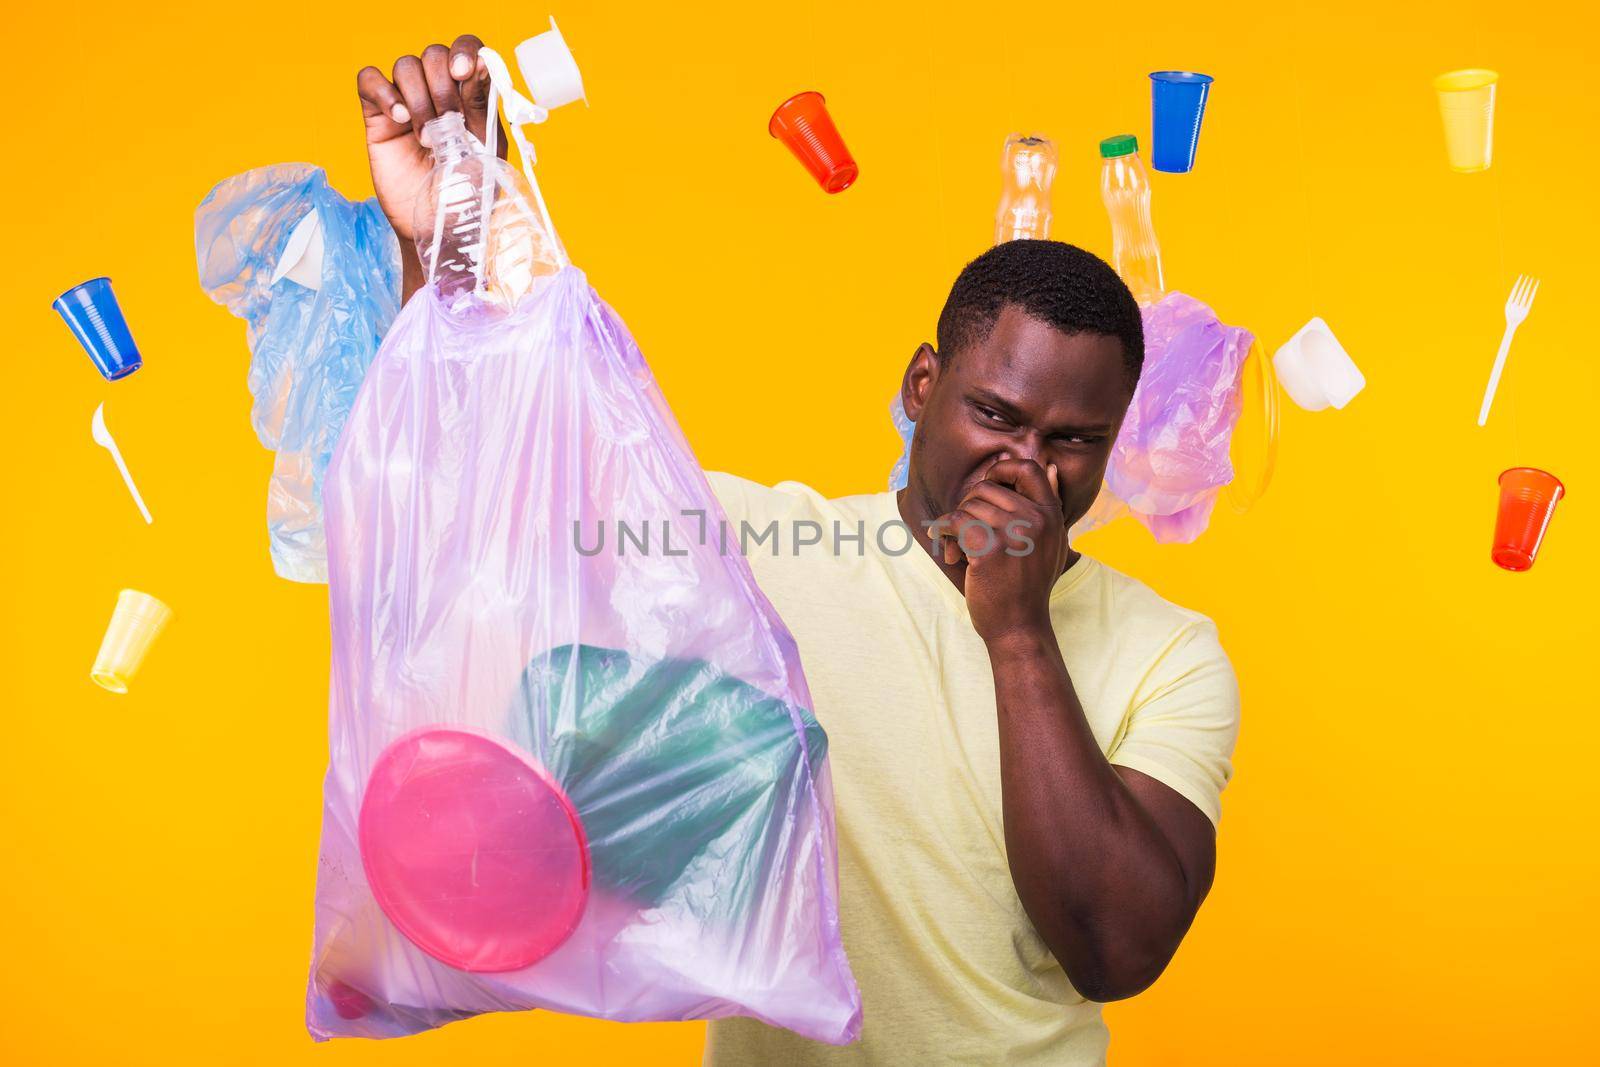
1315, 370
549, 69
137, 621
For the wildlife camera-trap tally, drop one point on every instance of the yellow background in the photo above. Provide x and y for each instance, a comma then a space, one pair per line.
1407, 856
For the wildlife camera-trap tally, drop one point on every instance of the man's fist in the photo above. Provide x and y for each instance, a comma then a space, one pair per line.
1011, 531
441, 79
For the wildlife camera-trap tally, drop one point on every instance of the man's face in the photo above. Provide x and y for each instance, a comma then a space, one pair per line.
1027, 390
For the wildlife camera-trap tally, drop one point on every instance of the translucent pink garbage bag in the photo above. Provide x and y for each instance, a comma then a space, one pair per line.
572, 763
1171, 456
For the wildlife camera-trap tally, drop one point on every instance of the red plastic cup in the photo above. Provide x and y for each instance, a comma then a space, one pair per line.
1527, 500
802, 122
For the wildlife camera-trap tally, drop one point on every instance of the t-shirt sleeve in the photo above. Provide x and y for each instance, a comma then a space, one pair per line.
739, 497
744, 501
1182, 730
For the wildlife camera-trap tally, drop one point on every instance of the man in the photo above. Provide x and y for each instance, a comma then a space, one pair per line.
1028, 748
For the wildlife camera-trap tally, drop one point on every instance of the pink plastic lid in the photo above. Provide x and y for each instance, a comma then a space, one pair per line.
472, 850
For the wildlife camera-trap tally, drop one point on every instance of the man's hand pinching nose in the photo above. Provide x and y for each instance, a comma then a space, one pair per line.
1011, 531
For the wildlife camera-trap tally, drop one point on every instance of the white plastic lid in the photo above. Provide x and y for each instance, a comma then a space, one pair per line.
549, 69
1315, 370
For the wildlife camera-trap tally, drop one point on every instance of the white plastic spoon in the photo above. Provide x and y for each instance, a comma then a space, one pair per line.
102, 437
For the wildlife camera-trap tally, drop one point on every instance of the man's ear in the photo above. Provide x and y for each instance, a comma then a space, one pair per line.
921, 373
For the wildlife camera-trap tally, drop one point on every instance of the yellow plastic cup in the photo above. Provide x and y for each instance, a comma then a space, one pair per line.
137, 621
1466, 101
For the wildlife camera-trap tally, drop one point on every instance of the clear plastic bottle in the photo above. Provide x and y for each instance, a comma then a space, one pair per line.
477, 231
1125, 188
1028, 163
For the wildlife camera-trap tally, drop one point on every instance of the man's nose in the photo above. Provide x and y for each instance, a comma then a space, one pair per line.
1030, 444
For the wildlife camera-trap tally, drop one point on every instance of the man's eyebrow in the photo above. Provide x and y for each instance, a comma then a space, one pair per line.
996, 401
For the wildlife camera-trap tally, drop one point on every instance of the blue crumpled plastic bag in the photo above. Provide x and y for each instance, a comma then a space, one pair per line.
309, 347
1172, 455
905, 428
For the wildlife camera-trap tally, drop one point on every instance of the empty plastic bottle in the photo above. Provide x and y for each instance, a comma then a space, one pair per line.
1028, 163
477, 232
1125, 188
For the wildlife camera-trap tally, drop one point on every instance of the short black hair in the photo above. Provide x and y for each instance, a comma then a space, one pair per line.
1057, 283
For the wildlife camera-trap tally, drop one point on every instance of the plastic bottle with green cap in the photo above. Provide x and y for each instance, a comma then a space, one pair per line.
1125, 188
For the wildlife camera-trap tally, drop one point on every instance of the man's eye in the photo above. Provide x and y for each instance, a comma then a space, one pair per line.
990, 414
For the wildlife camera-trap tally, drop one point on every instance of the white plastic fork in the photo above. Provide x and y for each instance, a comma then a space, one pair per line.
1518, 304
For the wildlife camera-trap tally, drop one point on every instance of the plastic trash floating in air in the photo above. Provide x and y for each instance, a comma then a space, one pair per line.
1027, 167
1528, 498
584, 781
1466, 104
1315, 370
1518, 304
317, 278
137, 621
1173, 452
92, 313
1125, 191
103, 438
803, 124
1254, 453
1177, 108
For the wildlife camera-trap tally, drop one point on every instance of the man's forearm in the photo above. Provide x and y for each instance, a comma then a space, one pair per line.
410, 270
1101, 883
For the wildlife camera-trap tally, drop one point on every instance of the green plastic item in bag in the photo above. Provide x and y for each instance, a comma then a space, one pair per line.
671, 765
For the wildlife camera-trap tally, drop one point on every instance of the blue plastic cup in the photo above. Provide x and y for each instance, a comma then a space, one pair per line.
1177, 104
93, 315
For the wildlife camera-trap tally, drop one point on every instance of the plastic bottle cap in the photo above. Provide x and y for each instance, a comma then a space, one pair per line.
1122, 144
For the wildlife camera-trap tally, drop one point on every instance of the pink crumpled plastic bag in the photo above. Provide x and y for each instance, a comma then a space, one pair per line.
1171, 457
564, 778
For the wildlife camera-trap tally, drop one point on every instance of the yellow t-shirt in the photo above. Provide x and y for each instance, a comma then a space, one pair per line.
950, 968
